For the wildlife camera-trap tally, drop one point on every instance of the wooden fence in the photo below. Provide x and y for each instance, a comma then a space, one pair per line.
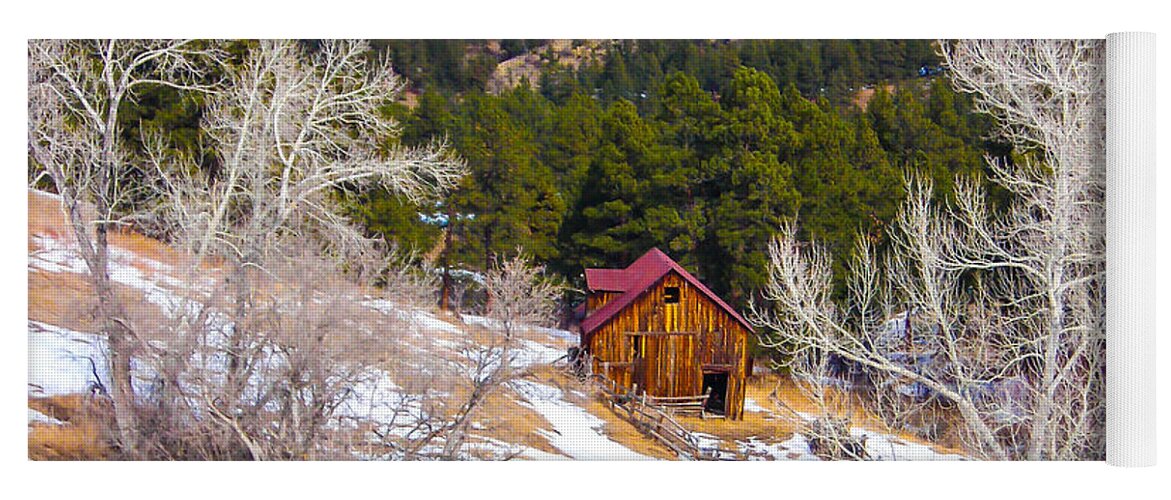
655, 417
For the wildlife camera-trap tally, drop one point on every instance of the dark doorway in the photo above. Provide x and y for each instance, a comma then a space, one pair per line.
718, 382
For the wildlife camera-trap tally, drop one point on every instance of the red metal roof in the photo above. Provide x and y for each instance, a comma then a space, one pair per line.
606, 280
636, 279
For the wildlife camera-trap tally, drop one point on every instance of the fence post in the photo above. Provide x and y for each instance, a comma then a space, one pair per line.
703, 409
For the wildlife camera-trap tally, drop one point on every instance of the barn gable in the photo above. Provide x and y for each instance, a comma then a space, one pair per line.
634, 281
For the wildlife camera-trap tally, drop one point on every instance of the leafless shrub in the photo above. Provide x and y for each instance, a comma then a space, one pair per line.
291, 128
830, 439
306, 377
405, 282
827, 430
519, 293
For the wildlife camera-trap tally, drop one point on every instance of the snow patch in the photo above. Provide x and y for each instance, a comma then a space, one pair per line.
489, 323
40, 418
493, 324
558, 333
576, 432
417, 318
750, 405
881, 446
534, 353
794, 448
59, 360
501, 450
55, 256
448, 344
376, 398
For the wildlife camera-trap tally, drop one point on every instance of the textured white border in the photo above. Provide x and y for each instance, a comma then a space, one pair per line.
1130, 249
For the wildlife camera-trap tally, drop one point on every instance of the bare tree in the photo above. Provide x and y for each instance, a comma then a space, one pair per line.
1049, 98
438, 427
76, 90
312, 370
996, 315
293, 128
828, 430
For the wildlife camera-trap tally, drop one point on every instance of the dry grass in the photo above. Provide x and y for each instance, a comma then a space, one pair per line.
762, 426
863, 96
504, 419
61, 299
65, 300
150, 248
47, 218
83, 436
500, 416
772, 391
624, 433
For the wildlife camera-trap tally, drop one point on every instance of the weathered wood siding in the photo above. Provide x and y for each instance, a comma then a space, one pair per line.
673, 365
597, 300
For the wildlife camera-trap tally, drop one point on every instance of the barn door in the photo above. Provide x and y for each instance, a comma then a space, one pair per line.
639, 361
665, 363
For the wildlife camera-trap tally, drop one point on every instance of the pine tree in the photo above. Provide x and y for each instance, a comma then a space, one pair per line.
846, 181
759, 191
686, 116
616, 82
568, 143
913, 140
509, 199
607, 228
432, 120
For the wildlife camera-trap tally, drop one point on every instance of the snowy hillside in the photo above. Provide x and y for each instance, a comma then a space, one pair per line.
540, 414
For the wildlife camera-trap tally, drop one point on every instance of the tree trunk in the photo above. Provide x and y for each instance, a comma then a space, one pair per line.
445, 294
112, 317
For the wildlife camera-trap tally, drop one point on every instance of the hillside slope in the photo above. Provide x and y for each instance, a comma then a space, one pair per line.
542, 414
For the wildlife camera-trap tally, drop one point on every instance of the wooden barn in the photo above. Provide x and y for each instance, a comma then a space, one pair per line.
655, 325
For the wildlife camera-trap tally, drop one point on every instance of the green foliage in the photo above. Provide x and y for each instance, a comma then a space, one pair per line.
607, 225
396, 220
569, 139
927, 135
848, 185
432, 120
757, 190
444, 65
510, 194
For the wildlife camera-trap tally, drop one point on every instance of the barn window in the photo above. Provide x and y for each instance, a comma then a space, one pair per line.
671, 295
636, 346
